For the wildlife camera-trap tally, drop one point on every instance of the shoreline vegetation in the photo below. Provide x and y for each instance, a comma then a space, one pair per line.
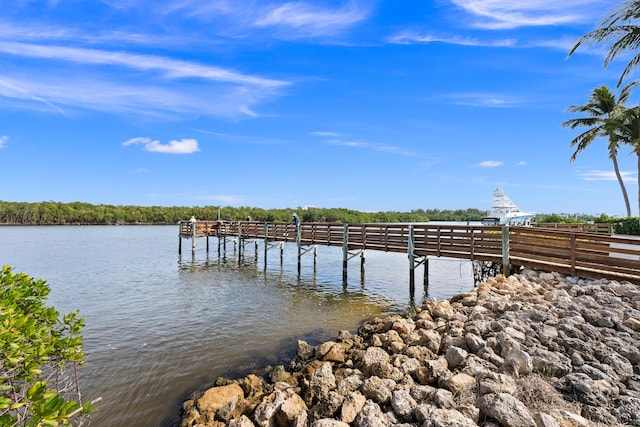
79, 213
532, 349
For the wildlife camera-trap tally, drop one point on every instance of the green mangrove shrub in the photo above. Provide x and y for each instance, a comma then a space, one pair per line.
39, 353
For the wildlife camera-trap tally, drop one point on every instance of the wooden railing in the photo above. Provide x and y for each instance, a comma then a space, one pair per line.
603, 227
577, 254
565, 251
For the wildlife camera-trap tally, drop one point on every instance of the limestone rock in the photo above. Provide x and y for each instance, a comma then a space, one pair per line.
507, 410
371, 416
403, 404
459, 382
215, 398
351, 407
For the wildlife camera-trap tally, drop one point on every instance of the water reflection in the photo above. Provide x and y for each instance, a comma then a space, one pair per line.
159, 325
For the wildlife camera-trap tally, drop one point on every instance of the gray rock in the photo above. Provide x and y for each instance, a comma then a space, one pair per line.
243, 421
375, 361
518, 361
474, 342
371, 416
494, 383
546, 420
321, 383
265, 413
422, 393
549, 362
328, 422
583, 389
444, 399
431, 416
305, 351
431, 371
621, 365
376, 389
507, 410
627, 411
455, 356
403, 404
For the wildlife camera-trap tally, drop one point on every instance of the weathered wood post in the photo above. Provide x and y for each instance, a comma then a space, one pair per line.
362, 251
425, 280
506, 267
299, 242
240, 242
266, 243
206, 228
412, 264
345, 252
179, 237
573, 254
281, 254
255, 248
193, 236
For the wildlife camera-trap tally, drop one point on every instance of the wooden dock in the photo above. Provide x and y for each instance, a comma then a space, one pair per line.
567, 251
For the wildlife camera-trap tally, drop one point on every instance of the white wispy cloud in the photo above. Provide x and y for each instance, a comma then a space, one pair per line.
483, 100
327, 134
183, 146
3, 141
509, 14
602, 175
337, 139
170, 68
240, 19
373, 147
490, 164
412, 37
310, 20
57, 93
521, 163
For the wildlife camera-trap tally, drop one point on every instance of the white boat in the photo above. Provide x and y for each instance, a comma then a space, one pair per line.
505, 212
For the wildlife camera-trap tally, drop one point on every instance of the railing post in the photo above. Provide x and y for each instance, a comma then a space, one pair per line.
573, 254
506, 267
179, 237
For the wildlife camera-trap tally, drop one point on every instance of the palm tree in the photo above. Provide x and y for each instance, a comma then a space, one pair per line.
619, 30
626, 127
601, 107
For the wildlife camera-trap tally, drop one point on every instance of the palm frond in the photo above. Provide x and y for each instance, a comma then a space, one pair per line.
582, 121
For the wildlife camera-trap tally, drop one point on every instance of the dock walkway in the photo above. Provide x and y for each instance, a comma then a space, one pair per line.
567, 251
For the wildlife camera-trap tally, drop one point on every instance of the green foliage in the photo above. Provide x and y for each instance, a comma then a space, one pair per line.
35, 348
54, 213
559, 219
629, 226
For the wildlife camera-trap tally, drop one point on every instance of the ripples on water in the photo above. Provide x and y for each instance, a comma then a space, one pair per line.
159, 325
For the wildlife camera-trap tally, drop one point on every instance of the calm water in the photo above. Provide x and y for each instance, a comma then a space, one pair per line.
160, 325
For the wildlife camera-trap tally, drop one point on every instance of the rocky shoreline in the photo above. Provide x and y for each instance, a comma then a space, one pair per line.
535, 349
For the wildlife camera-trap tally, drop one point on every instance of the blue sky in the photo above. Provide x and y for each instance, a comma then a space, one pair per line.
363, 104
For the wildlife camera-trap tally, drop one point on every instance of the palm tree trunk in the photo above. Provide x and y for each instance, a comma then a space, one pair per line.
638, 154
622, 187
